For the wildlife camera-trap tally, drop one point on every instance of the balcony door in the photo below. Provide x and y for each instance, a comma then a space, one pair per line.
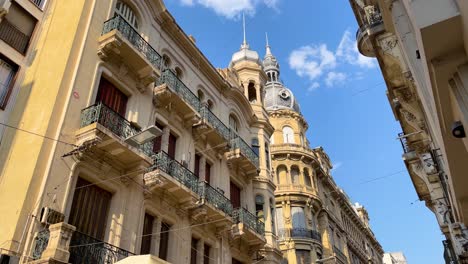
235, 195
112, 97
89, 209
172, 145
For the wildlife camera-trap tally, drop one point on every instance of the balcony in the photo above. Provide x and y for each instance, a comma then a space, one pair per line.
86, 249
340, 255
242, 155
296, 188
248, 226
119, 41
290, 148
12, 36
173, 177
364, 34
171, 90
211, 128
39, 3
218, 205
300, 233
108, 130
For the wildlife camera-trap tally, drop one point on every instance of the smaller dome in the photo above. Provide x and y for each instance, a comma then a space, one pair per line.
279, 97
245, 54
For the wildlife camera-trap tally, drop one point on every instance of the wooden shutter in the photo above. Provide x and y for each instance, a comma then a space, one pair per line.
206, 254
147, 237
89, 209
197, 166
164, 241
172, 146
207, 172
112, 97
193, 251
235, 195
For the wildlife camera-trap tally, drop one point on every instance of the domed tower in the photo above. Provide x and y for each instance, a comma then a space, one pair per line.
296, 195
247, 66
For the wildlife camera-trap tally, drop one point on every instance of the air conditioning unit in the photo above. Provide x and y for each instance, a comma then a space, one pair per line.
50, 216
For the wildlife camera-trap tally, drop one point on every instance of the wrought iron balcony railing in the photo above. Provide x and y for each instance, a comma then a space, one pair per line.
175, 84
117, 124
214, 121
40, 243
339, 253
86, 249
238, 143
39, 3
305, 233
404, 142
163, 162
13, 36
241, 215
215, 198
138, 42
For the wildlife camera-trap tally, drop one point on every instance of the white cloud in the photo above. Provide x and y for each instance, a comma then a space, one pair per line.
312, 61
348, 52
337, 166
232, 8
335, 78
314, 86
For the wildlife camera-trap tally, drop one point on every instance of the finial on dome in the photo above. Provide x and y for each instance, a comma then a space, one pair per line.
268, 50
244, 44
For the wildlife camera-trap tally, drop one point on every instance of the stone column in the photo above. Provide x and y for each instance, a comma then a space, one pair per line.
59, 243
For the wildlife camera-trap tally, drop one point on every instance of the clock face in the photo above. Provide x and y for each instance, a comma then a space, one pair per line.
284, 94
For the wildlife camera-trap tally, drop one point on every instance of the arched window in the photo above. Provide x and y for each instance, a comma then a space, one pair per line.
288, 135
210, 104
125, 11
166, 62
259, 211
179, 72
252, 93
295, 175
255, 145
233, 123
200, 95
307, 178
281, 174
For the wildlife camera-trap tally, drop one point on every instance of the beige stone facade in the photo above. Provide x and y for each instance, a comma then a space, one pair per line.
422, 51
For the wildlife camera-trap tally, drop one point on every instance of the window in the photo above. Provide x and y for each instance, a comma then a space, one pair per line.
233, 124
146, 236
298, 217
255, 145
210, 105
235, 195
200, 95
193, 251
179, 73
206, 254
196, 170
207, 172
166, 62
281, 174
302, 256
272, 216
259, 202
164, 240
125, 11
172, 146
89, 209
295, 175
279, 219
288, 135
112, 97
307, 178
7, 74
17, 27
252, 93
267, 156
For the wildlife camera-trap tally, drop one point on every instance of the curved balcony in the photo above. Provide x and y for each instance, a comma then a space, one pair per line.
364, 34
242, 154
295, 188
248, 226
290, 148
299, 233
212, 128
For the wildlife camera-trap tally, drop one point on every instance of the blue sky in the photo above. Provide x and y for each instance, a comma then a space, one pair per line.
342, 95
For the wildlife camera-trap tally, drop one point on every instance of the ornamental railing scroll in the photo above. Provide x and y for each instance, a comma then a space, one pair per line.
173, 168
138, 42
404, 142
241, 215
40, 243
117, 124
215, 198
215, 122
175, 84
85, 249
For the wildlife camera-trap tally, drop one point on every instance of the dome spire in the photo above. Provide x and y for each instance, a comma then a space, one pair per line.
268, 50
244, 44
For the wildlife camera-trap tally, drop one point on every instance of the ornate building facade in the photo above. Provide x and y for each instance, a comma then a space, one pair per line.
315, 219
422, 51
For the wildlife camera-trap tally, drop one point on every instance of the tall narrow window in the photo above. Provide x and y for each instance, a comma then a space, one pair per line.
267, 156
235, 195
255, 145
280, 221
281, 174
179, 73
112, 97
288, 135
295, 175
302, 256
146, 236
207, 172
125, 11
252, 93
193, 251
259, 211
196, 170
307, 178
89, 209
272, 216
206, 254
7, 73
172, 146
298, 217
164, 240
158, 140
233, 124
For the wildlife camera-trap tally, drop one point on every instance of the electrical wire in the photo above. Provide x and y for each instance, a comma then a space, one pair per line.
39, 135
